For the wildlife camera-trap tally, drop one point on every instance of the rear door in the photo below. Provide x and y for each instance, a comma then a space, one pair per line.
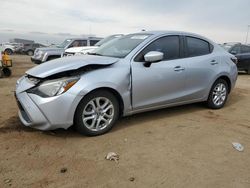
202, 66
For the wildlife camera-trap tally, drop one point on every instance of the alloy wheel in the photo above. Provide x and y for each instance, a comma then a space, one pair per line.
219, 94
98, 113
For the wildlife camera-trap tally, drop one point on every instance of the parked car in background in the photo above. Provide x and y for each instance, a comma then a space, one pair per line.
8, 49
29, 49
242, 53
86, 49
135, 73
45, 54
228, 45
17, 46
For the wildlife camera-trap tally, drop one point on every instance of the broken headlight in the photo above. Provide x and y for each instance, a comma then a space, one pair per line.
54, 87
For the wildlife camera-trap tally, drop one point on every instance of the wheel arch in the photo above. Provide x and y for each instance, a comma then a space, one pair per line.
6, 49
227, 79
224, 77
114, 92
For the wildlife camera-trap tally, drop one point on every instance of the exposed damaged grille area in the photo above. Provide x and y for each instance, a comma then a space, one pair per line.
24, 114
33, 79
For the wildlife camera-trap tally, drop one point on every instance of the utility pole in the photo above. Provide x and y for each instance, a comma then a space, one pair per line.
248, 27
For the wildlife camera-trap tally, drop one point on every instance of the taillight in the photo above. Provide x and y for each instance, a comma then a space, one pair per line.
235, 60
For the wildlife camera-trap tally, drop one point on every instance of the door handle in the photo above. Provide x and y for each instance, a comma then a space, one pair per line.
179, 68
214, 62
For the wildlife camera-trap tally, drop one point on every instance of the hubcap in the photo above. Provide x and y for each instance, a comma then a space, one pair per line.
219, 94
98, 113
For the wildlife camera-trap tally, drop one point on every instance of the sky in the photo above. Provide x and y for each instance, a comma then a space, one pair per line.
48, 21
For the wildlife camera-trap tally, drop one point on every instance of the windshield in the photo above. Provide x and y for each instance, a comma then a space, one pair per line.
121, 47
107, 39
64, 44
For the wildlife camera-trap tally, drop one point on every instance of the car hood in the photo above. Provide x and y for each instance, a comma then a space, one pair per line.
79, 49
68, 64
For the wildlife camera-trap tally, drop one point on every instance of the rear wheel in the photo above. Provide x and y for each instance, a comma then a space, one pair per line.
97, 113
218, 94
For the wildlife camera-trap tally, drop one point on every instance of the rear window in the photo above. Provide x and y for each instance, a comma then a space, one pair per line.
197, 47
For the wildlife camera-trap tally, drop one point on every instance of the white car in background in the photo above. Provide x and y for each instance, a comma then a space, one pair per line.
7, 48
79, 50
87, 49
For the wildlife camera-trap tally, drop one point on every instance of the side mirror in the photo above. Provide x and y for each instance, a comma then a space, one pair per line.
153, 57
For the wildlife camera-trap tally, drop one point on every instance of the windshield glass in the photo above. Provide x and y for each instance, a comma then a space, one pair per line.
107, 39
121, 47
64, 44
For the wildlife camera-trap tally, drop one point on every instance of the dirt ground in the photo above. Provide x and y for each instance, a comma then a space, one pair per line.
187, 146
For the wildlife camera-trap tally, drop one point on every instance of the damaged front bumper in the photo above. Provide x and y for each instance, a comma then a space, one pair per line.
45, 113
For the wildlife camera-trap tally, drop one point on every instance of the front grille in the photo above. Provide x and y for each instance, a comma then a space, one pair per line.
23, 113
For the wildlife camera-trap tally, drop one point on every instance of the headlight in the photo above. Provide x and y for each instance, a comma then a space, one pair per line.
40, 53
19, 80
54, 87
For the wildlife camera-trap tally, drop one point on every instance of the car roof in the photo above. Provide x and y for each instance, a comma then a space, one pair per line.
85, 38
169, 32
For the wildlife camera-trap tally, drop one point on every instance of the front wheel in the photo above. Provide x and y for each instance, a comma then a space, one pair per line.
97, 113
218, 94
30, 53
6, 72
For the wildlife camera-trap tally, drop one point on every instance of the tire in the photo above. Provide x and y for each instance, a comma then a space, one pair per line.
248, 71
6, 72
30, 52
219, 89
1, 73
98, 120
8, 51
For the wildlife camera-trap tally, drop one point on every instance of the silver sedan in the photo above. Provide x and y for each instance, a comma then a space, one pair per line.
135, 73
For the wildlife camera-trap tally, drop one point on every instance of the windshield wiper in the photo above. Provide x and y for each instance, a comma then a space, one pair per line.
93, 53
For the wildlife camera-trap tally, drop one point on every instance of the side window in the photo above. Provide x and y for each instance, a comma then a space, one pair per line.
93, 42
78, 43
197, 47
83, 43
169, 46
245, 49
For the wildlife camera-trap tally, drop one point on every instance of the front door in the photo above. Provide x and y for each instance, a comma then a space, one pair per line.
162, 82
